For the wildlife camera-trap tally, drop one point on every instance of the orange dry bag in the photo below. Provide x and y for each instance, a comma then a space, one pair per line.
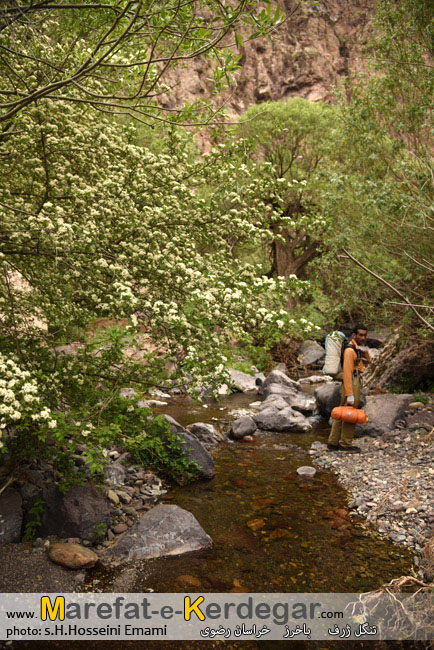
349, 414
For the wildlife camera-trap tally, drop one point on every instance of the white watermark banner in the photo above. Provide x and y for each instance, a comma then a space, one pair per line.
217, 616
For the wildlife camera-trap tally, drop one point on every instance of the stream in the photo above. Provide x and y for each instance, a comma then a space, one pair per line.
273, 531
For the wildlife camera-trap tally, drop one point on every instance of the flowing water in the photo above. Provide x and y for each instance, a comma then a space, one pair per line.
273, 531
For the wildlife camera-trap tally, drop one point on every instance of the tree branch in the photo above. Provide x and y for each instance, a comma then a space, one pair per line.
391, 287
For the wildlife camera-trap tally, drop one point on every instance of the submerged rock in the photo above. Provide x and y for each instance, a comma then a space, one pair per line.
164, 530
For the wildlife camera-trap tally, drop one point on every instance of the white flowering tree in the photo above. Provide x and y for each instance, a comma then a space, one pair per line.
113, 55
93, 225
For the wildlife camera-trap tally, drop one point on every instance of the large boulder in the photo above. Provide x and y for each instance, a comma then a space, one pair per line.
78, 513
327, 397
276, 401
287, 419
278, 393
164, 530
243, 381
278, 376
310, 352
383, 411
11, 516
244, 426
193, 448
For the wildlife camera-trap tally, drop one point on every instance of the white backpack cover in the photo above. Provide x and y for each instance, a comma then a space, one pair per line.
333, 348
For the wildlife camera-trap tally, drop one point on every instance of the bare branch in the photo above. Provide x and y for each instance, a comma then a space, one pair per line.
392, 288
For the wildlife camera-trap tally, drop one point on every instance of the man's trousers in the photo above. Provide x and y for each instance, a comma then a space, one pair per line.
342, 433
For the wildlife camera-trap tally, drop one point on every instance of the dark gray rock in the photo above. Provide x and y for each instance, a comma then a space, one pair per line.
193, 448
282, 420
11, 516
244, 426
383, 411
164, 530
310, 352
78, 513
327, 397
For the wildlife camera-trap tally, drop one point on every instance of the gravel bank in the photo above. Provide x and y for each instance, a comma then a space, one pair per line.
392, 484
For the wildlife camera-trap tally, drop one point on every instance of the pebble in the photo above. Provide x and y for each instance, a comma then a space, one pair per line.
120, 528
113, 497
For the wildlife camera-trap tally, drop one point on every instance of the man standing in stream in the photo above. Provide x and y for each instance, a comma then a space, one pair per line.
353, 363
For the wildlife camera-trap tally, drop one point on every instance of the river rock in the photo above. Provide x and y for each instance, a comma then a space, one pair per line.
72, 556
306, 471
286, 419
275, 401
383, 411
244, 426
113, 497
327, 397
206, 433
275, 394
11, 516
74, 514
164, 530
278, 376
193, 448
243, 381
310, 352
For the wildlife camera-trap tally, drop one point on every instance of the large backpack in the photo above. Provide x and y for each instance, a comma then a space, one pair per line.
335, 346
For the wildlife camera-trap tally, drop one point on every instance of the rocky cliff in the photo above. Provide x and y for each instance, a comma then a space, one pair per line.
307, 56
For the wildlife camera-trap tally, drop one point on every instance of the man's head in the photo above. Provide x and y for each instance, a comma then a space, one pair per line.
360, 333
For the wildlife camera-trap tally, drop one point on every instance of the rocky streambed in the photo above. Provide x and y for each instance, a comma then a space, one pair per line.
391, 483
258, 502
